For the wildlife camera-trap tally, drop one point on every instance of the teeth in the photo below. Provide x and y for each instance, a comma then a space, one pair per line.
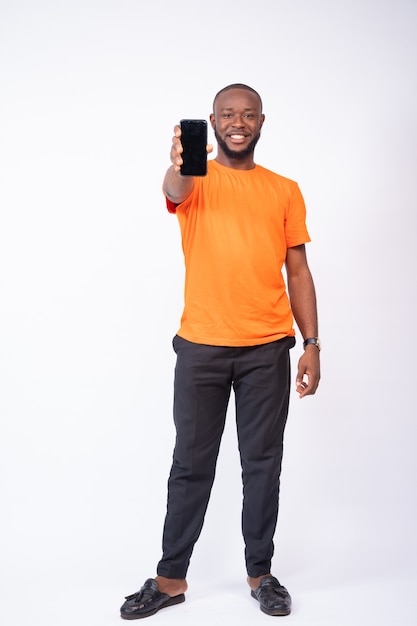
237, 136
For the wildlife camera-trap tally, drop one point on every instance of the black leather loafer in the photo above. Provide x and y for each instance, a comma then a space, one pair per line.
273, 598
147, 601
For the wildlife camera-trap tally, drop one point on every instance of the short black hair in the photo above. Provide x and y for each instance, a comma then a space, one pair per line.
236, 86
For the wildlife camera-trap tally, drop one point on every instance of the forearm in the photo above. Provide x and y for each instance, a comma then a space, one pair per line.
177, 187
303, 302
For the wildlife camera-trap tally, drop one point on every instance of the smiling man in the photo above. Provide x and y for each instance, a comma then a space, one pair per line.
240, 225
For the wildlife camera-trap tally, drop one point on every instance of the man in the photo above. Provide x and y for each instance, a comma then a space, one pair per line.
240, 224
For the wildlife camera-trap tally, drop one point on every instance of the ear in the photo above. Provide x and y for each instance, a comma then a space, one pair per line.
262, 121
212, 121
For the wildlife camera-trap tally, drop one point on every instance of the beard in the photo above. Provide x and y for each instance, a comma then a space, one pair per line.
239, 155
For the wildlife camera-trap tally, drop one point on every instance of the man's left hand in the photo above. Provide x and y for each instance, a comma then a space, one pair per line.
308, 375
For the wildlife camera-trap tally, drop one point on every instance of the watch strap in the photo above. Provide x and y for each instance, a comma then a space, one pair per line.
311, 340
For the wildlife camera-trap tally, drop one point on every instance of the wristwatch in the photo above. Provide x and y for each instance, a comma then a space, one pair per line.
312, 340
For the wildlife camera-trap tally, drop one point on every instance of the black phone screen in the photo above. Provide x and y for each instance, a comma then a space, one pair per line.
194, 143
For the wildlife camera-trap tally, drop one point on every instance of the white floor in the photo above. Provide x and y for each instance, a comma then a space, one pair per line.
75, 542
367, 602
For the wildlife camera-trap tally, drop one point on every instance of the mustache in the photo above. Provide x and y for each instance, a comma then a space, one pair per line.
239, 155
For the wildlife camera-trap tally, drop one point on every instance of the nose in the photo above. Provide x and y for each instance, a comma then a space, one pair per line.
238, 121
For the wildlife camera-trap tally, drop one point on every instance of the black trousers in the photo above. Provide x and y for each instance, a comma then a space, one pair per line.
204, 377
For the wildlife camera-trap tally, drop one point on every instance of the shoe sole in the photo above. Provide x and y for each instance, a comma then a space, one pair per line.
171, 602
274, 613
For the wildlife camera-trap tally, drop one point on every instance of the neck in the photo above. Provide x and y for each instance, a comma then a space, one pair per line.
247, 163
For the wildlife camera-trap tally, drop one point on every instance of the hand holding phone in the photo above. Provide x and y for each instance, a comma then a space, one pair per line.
194, 144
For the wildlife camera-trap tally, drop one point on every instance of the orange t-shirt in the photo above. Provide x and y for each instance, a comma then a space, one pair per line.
236, 227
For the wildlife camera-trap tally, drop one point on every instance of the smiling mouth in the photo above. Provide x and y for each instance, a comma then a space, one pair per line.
237, 137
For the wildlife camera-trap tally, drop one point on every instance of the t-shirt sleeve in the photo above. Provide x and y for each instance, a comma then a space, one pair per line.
296, 232
185, 204
171, 206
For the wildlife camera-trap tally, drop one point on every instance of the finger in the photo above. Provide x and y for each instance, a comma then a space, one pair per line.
176, 151
307, 389
176, 162
209, 148
177, 145
300, 386
302, 391
300, 383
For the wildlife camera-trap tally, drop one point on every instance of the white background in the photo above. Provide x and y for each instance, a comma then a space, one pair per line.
91, 294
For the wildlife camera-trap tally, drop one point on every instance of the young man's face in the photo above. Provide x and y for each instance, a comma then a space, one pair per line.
237, 121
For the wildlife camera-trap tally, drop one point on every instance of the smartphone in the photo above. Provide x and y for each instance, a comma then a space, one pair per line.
194, 143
